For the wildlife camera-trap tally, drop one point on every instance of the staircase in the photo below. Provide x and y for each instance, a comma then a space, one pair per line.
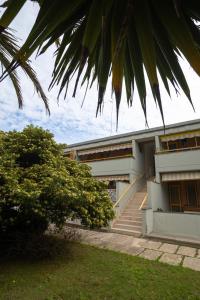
130, 220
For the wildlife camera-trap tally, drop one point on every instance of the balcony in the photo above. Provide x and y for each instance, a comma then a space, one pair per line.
111, 166
179, 160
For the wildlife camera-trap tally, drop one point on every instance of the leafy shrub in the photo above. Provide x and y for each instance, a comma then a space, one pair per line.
38, 186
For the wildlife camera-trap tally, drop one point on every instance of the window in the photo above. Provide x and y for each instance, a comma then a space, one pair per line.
191, 194
175, 197
181, 144
112, 185
106, 155
173, 145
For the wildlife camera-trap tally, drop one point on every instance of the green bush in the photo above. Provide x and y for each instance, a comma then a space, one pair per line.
38, 186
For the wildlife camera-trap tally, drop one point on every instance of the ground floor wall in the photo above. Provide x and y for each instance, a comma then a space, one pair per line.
177, 224
121, 187
160, 220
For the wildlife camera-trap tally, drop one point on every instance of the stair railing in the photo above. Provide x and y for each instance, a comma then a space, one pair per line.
143, 202
116, 204
126, 195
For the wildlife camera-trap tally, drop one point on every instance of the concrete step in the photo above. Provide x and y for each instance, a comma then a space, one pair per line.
131, 213
131, 217
126, 232
136, 200
139, 194
125, 218
129, 227
129, 222
131, 210
132, 207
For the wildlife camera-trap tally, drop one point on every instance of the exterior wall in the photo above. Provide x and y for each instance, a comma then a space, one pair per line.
149, 167
177, 224
138, 162
133, 166
121, 187
187, 160
147, 224
157, 196
111, 166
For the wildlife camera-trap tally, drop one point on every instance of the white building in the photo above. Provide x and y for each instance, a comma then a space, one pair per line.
154, 178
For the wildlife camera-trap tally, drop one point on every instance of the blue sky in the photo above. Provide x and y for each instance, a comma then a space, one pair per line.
68, 121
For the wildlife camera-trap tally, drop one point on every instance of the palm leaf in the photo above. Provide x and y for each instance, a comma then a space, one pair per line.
8, 49
14, 78
125, 38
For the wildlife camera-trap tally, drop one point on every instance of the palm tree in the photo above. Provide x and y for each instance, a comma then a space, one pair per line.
121, 38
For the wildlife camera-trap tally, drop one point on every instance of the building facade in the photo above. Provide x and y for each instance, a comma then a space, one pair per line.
153, 176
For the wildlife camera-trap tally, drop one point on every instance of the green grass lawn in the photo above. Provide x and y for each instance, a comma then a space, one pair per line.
85, 272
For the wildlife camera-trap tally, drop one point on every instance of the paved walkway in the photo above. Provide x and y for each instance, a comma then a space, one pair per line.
172, 254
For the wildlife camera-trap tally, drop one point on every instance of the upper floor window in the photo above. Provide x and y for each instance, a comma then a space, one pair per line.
107, 152
106, 155
188, 140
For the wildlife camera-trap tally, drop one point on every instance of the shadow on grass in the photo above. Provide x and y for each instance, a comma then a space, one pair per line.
49, 246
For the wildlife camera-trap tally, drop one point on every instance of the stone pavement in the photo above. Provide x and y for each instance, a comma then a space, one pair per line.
172, 254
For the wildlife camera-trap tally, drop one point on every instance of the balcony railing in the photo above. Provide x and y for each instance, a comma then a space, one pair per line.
163, 151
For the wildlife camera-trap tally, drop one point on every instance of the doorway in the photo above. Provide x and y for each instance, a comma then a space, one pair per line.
149, 159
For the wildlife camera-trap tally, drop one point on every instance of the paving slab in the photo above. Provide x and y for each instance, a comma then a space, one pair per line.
169, 248
198, 253
98, 239
122, 239
137, 241
167, 253
150, 254
134, 250
150, 244
171, 259
95, 242
116, 247
192, 263
187, 251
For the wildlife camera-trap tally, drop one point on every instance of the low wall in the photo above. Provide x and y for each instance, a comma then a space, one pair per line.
176, 224
147, 224
120, 188
157, 196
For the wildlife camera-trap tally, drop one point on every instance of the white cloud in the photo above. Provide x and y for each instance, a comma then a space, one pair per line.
68, 121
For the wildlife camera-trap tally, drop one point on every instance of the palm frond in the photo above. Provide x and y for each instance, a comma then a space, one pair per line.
4, 61
8, 50
124, 38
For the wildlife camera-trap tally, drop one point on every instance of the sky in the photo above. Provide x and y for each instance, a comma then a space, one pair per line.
71, 123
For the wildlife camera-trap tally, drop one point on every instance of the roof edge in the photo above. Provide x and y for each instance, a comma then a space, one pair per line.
137, 132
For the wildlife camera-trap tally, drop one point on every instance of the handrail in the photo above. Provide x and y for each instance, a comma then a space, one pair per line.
128, 188
144, 200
